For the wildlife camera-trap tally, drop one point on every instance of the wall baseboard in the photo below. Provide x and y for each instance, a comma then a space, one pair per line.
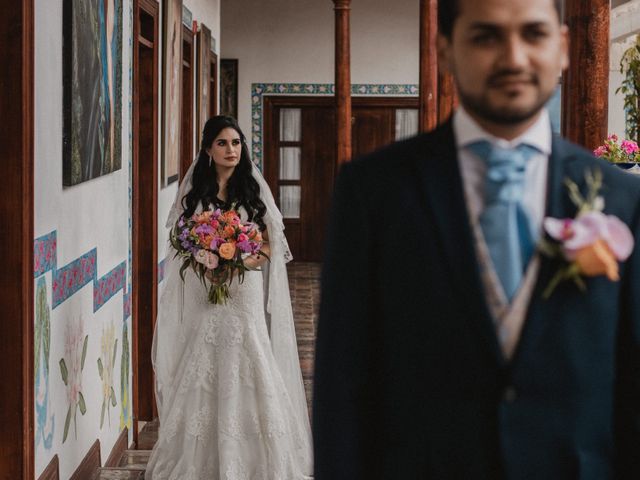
52, 472
118, 449
89, 464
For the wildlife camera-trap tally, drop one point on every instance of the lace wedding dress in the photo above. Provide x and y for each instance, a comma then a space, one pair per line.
230, 397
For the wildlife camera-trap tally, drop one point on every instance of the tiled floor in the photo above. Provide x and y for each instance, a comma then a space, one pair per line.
304, 283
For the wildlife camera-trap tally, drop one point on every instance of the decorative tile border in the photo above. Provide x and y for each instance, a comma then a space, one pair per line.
109, 285
127, 304
258, 90
72, 277
44, 254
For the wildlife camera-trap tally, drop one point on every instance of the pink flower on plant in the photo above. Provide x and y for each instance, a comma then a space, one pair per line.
601, 150
629, 147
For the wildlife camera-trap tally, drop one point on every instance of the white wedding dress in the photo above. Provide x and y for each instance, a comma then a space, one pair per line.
230, 398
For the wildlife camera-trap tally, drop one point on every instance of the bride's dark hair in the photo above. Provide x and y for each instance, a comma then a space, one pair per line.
242, 188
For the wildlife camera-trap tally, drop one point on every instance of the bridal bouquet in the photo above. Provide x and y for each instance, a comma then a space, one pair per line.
213, 243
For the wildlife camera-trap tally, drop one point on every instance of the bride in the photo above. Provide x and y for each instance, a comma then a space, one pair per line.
229, 390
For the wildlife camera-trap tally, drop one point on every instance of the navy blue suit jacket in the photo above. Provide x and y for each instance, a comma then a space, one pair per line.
410, 382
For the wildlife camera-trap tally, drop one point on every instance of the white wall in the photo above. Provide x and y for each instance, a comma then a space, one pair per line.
292, 41
93, 214
207, 12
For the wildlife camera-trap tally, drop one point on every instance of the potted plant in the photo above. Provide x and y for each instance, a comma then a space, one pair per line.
625, 154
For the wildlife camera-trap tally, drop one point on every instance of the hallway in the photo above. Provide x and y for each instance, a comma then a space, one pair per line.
304, 283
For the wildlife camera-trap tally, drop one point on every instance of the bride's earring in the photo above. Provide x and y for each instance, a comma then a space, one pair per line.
209, 161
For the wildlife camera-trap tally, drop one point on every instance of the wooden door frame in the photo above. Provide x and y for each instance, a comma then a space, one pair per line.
213, 80
187, 110
273, 102
143, 398
16, 223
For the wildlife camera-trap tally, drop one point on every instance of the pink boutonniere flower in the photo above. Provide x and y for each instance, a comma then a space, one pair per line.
592, 244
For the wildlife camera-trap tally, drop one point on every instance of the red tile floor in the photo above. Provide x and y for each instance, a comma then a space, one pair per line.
304, 284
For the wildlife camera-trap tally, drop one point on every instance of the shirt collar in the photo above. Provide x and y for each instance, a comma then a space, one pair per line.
468, 131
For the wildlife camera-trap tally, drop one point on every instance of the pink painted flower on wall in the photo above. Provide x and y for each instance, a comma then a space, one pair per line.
71, 366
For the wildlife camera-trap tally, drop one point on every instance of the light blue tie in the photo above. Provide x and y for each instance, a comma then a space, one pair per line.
504, 222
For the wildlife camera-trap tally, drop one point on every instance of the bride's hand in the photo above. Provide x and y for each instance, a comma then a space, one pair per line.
214, 277
254, 262
210, 275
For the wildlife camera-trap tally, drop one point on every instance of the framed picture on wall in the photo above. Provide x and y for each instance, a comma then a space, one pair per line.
92, 89
171, 90
229, 87
203, 76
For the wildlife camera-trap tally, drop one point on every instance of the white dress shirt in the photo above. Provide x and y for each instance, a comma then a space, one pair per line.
473, 168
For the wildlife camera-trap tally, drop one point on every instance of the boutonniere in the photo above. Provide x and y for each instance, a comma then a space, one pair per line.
589, 245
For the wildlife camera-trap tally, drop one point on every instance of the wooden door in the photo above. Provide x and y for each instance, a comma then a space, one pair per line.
375, 122
145, 210
300, 161
371, 128
300, 168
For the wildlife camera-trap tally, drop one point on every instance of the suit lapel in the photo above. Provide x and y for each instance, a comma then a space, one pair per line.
558, 205
439, 175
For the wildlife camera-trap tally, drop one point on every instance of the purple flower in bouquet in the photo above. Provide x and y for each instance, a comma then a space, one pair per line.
245, 246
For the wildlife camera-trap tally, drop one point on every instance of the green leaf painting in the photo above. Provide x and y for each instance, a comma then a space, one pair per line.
67, 422
125, 417
81, 403
106, 362
45, 419
64, 371
84, 352
71, 366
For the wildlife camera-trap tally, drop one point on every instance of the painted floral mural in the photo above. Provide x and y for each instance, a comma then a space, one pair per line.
106, 362
45, 423
71, 366
125, 411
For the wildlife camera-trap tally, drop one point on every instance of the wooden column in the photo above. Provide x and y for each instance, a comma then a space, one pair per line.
16, 240
585, 89
447, 99
343, 81
428, 77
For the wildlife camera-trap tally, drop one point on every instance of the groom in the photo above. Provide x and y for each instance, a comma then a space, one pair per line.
439, 353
